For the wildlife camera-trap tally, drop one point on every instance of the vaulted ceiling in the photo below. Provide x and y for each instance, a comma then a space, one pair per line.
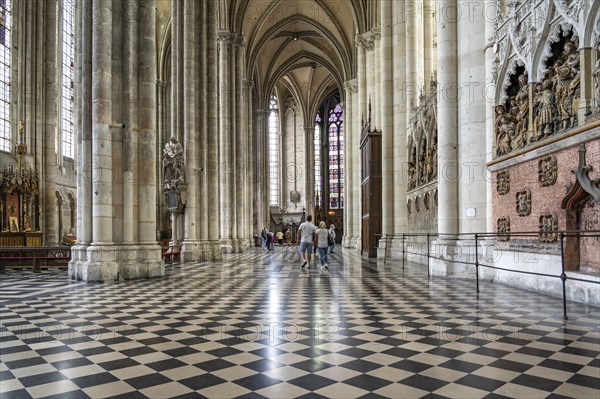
302, 49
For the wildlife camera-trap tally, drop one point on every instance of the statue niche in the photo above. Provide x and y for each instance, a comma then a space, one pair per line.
596, 74
553, 102
557, 99
172, 163
422, 164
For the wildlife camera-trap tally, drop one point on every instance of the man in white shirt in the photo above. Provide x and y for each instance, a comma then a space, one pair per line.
307, 234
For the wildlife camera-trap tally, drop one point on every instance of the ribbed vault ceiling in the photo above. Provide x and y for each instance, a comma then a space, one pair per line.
302, 48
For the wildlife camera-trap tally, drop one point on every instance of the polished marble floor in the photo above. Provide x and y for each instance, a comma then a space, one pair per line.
258, 326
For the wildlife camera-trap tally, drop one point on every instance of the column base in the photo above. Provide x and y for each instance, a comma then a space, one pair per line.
78, 258
210, 250
450, 252
190, 250
230, 245
246, 244
106, 262
389, 248
140, 261
397, 248
349, 242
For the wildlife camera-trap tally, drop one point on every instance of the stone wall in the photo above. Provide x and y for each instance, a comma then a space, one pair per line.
540, 180
544, 199
422, 210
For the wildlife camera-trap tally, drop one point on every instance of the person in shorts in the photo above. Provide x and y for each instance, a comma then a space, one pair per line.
306, 231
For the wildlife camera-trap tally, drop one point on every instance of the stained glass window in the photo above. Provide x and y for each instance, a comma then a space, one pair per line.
67, 79
5, 43
336, 157
273, 150
318, 178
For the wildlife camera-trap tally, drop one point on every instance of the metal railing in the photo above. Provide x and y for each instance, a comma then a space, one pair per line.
528, 239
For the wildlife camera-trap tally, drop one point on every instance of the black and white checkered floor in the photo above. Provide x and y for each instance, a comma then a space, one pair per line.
257, 326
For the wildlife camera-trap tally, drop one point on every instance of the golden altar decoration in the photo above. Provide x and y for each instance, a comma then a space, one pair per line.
19, 203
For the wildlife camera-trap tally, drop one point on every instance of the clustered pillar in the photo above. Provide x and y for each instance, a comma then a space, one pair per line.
110, 250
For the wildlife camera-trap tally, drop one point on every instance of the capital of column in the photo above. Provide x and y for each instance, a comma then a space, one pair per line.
309, 129
238, 41
230, 39
261, 111
247, 83
376, 33
367, 39
351, 85
290, 104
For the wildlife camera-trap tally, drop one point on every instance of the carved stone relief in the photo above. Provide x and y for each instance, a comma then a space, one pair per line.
422, 164
417, 203
426, 201
536, 101
567, 80
554, 103
524, 202
548, 227
519, 108
503, 182
409, 206
503, 228
547, 171
596, 74
557, 100
172, 163
173, 178
412, 170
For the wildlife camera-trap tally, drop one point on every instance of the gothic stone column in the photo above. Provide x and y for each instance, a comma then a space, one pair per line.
101, 262
399, 55
447, 133
387, 126
212, 248
190, 247
226, 144
351, 161
309, 200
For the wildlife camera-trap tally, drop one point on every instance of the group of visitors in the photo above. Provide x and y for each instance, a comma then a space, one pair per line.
312, 239
269, 238
321, 239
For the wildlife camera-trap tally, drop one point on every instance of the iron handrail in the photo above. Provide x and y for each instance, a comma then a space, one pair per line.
561, 234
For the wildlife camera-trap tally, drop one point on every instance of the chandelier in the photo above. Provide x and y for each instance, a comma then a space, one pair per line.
21, 180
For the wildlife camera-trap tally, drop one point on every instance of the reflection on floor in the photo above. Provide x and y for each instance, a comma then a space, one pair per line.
257, 325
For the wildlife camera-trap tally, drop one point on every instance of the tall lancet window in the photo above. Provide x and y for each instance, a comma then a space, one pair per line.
273, 150
67, 79
5, 42
336, 157
318, 163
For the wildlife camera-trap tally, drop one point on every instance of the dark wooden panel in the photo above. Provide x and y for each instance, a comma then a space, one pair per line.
371, 191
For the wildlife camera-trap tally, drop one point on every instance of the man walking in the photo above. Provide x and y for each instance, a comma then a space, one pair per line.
307, 234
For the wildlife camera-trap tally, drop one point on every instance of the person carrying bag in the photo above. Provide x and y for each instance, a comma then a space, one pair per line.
322, 243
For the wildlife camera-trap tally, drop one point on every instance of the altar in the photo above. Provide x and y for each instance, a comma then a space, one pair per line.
19, 201
21, 239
